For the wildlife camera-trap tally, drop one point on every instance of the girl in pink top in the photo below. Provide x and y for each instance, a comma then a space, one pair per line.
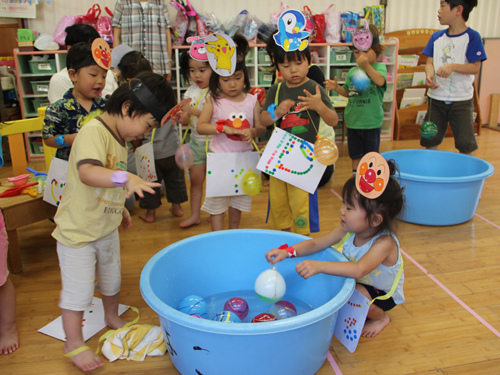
232, 117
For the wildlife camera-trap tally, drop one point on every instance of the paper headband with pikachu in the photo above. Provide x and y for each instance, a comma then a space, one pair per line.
291, 33
362, 39
197, 51
221, 52
372, 176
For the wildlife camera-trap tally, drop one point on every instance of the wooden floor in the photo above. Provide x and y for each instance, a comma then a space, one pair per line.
431, 333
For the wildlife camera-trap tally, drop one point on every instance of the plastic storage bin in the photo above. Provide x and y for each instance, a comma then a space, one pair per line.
264, 58
37, 103
341, 57
341, 74
42, 66
37, 146
40, 87
265, 78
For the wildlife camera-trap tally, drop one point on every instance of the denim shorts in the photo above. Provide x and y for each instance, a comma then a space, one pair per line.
362, 141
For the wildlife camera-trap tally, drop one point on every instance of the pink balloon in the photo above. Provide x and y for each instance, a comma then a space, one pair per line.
184, 156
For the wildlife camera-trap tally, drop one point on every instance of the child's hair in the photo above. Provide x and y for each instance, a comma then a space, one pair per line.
158, 86
77, 54
132, 63
378, 48
388, 205
278, 54
80, 33
184, 65
469, 5
241, 52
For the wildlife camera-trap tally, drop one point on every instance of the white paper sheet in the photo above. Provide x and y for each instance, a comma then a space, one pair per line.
145, 162
56, 180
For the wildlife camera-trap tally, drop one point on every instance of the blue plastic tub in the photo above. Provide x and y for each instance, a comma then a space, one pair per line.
228, 261
442, 188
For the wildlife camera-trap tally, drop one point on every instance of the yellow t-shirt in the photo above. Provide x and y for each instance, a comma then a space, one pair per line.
88, 213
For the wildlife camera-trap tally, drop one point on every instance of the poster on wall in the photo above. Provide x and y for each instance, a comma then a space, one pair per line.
18, 8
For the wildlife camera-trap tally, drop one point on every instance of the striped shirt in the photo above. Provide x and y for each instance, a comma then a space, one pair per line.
144, 30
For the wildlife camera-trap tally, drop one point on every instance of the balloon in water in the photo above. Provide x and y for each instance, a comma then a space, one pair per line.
360, 80
270, 286
238, 306
428, 129
184, 156
263, 317
226, 317
326, 151
251, 183
283, 310
193, 305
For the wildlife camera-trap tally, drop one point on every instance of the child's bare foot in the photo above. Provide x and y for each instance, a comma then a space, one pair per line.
373, 327
9, 340
87, 360
115, 322
177, 210
193, 220
148, 216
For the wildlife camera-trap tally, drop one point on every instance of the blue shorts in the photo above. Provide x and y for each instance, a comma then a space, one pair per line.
362, 141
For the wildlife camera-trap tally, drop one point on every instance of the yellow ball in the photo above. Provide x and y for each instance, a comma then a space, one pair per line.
251, 183
326, 151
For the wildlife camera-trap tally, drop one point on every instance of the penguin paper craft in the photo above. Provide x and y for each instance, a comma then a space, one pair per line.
291, 33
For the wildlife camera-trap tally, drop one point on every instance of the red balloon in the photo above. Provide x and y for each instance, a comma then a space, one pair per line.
261, 94
263, 317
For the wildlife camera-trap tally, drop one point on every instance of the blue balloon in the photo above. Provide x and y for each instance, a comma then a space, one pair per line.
360, 80
193, 305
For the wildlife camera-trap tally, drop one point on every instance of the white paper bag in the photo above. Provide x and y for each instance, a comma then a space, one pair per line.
56, 180
226, 170
145, 162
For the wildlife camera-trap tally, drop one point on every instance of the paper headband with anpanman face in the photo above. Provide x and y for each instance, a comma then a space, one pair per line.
291, 33
101, 53
372, 176
197, 50
221, 52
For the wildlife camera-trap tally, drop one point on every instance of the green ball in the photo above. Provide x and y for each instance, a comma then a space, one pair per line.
428, 130
251, 183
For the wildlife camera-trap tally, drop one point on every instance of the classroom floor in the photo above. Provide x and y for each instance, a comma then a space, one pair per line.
431, 333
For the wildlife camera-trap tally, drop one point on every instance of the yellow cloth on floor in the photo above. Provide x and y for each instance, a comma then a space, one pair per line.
135, 343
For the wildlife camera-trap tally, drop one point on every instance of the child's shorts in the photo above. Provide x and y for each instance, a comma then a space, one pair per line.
290, 207
218, 205
175, 185
362, 141
460, 117
4, 247
386, 304
80, 268
199, 151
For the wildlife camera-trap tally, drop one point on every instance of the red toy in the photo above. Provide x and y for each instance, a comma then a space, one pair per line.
261, 94
263, 317
16, 191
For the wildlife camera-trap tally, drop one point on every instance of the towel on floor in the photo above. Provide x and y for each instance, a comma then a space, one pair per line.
134, 343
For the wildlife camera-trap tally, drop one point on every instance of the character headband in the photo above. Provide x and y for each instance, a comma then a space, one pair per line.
149, 101
101, 56
197, 51
291, 33
363, 39
221, 52
458, 2
372, 175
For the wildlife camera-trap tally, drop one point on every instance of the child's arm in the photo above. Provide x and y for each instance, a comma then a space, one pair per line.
471, 68
315, 102
375, 76
186, 114
97, 176
258, 129
307, 247
333, 85
384, 249
429, 73
68, 139
204, 127
283, 108
56, 124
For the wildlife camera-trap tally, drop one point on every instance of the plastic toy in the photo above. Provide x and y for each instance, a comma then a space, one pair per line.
226, 317
16, 191
428, 130
20, 180
251, 183
326, 151
270, 286
360, 80
263, 317
193, 305
35, 173
261, 94
238, 306
283, 310
184, 156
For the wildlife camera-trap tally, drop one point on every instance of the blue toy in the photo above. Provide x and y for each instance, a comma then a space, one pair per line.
226, 317
291, 31
283, 309
193, 305
360, 80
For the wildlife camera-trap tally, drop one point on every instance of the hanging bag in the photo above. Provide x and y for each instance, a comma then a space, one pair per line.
180, 24
276, 16
60, 33
91, 17
104, 26
309, 23
333, 25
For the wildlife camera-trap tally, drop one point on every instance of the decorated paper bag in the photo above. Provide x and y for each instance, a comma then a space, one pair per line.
56, 180
145, 162
333, 25
226, 170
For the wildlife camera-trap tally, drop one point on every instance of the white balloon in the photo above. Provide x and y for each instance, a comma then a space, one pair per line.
270, 286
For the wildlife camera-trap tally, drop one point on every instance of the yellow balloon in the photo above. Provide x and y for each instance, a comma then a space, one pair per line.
326, 151
251, 183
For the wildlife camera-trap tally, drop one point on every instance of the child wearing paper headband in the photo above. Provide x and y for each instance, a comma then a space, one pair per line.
92, 212
372, 201
365, 86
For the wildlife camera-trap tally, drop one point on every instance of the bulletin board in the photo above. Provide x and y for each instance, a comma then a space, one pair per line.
18, 8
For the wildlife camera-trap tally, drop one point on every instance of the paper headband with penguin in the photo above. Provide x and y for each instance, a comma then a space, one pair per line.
363, 39
292, 34
372, 178
221, 53
101, 56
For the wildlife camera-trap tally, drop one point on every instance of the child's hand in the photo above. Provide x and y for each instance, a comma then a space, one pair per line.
137, 185
274, 256
308, 268
178, 117
126, 220
362, 60
284, 107
310, 101
246, 135
330, 84
429, 81
445, 71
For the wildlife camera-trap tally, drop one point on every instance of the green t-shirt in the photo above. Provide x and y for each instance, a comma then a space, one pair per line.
364, 109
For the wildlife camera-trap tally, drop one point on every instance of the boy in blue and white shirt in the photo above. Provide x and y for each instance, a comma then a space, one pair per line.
454, 58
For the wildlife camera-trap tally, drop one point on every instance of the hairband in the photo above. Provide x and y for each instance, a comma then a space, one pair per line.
197, 51
240, 65
458, 2
221, 52
291, 33
101, 56
363, 39
149, 101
